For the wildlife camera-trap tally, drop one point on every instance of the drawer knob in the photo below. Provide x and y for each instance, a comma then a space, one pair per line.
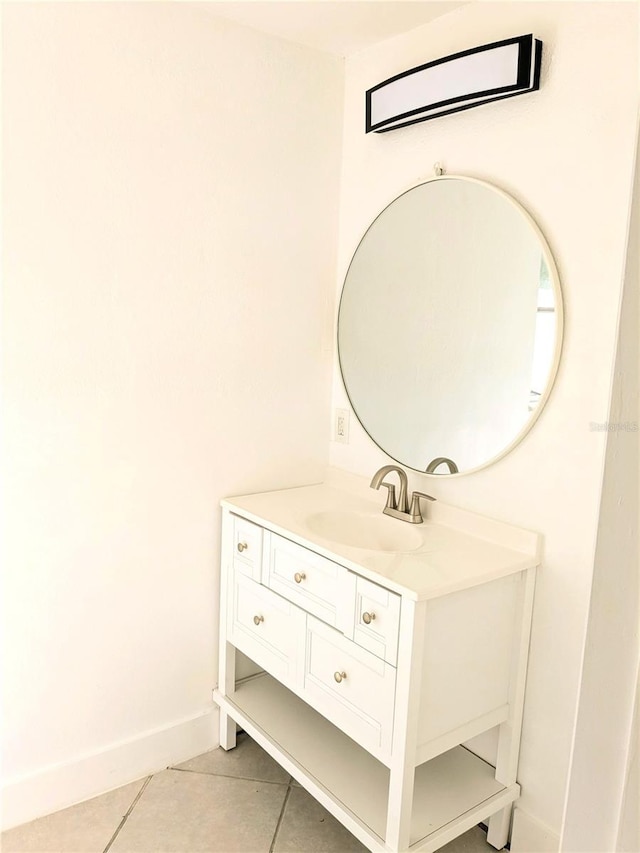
258, 619
339, 676
368, 618
299, 577
242, 546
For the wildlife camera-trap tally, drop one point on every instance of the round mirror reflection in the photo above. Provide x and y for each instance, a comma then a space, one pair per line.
449, 326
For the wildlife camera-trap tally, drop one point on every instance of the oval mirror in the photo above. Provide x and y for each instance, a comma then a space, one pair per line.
450, 326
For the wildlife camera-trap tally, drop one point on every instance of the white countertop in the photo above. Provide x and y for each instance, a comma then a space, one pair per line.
460, 549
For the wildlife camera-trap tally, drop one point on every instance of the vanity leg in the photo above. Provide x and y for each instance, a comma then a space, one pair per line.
405, 725
227, 652
510, 730
227, 731
499, 825
227, 682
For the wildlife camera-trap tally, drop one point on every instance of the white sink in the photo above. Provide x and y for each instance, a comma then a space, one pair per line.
372, 531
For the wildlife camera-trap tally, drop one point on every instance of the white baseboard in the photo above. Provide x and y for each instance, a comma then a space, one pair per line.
530, 835
61, 785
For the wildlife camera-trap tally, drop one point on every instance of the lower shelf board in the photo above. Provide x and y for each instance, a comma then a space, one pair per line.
452, 792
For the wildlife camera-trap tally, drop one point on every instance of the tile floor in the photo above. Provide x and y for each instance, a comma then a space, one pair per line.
220, 802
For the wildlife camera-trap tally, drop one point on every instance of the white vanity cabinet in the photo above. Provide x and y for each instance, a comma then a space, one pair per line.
376, 667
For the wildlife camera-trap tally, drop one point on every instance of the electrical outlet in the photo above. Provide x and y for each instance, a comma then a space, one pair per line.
341, 426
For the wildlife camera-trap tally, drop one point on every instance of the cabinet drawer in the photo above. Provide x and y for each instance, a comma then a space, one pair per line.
267, 628
305, 578
247, 547
349, 686
376, 620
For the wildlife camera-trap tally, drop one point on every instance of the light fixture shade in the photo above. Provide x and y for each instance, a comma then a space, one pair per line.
458, 82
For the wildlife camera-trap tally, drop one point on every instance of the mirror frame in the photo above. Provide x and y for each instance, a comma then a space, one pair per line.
559, 308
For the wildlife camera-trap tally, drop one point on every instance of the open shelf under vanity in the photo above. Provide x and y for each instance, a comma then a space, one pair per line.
453, 788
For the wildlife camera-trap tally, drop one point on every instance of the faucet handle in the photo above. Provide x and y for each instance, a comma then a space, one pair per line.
391, 495
415, 503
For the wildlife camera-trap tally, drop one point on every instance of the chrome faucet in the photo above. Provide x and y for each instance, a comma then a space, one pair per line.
399, 509
441, 460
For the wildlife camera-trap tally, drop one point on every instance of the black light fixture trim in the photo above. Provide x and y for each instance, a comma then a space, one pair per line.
527, 80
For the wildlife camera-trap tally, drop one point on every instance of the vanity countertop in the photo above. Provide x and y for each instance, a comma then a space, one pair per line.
459, 548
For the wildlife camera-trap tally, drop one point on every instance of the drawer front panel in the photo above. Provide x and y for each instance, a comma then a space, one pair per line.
247, 547
377, 620
349, 686
305, 578
267, 628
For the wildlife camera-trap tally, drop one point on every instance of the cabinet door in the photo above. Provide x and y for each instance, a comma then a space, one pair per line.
267, 628
350, 686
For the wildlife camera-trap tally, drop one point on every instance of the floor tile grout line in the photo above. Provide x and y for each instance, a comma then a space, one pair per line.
280, 818
227, 776
128, 812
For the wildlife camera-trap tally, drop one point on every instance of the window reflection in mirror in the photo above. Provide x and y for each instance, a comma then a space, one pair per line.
543, 347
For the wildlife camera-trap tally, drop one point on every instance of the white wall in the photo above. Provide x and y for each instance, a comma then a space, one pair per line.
170, 215
566, 153
603, 738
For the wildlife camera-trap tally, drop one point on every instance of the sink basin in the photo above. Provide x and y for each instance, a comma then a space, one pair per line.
372, 531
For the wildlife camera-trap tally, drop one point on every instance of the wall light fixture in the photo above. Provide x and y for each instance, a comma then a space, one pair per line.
458, 82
